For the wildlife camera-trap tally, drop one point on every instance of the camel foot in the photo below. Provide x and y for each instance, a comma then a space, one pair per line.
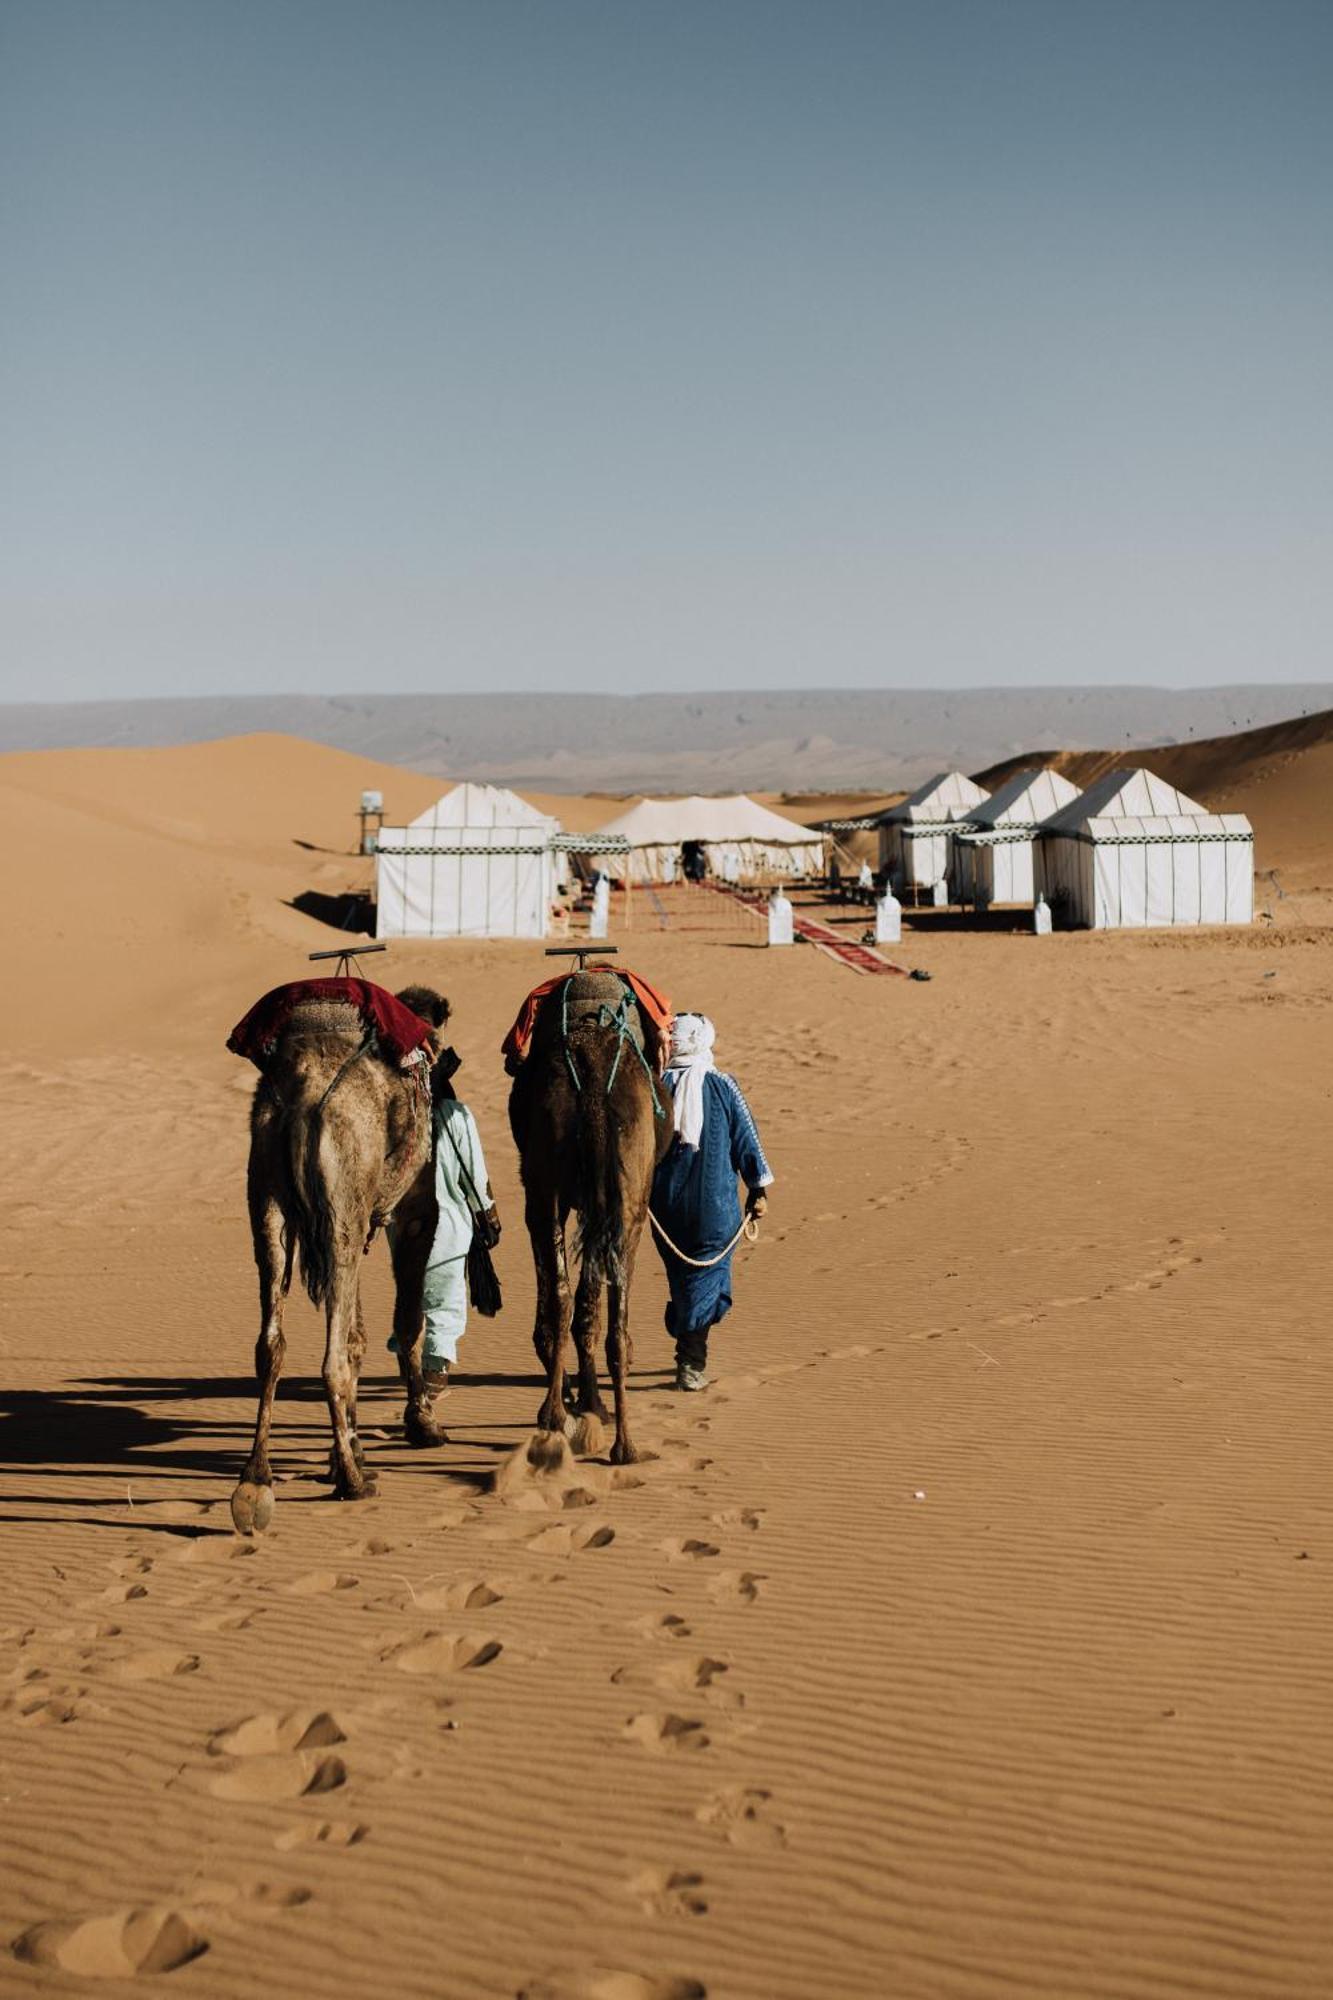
552, 1420
251, 1507
592, 1406
358, 1453
623, 1452
364, 1487
423, 1432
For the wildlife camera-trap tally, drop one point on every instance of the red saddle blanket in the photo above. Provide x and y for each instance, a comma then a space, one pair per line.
653, 1002
398, 1030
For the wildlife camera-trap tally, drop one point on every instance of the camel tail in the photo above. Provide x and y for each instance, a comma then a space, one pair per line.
599, 1196
315, 1238
311, 1206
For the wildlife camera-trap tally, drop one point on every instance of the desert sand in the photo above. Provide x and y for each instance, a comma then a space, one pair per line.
969, 1639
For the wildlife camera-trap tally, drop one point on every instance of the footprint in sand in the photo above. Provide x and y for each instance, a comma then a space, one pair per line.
744, 1585
740, 1517
124, 1944
665, 1734
604, 1984
538, 1474
122, 1593
320, 1833
699, 1670
668, 1892
294, 1774
253, 1895
277, 1756
320, 1583
661, 1625
173, 1512
680, 1676
471, 1594
740, 1813
263, 1735
161, 1664
564, 1539
443, 1653
682, 1550
216, 1548
44, 1707
227, 1621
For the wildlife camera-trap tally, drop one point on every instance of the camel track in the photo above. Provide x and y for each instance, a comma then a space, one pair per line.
971, 1627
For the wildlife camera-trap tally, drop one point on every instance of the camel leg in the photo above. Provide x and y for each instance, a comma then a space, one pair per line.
587, 1333
350, 1482
252, 1499
356, 1355
618, 1355
410, 1252
548, 1251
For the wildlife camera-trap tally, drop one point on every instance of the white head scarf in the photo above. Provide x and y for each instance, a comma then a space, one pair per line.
691, 1058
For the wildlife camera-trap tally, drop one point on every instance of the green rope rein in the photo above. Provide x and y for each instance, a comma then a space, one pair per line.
618, 1018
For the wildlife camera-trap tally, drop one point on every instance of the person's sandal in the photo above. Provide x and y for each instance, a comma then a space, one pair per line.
436, 1381
690, 1380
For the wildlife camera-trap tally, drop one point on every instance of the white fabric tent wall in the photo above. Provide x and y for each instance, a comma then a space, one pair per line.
915, 837
1134, 852
478, 863
742, 839
993, 855
1000, 869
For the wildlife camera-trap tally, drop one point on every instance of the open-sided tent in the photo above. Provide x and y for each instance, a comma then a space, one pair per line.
993, 858
915, 838
1132, 850
741, 839
480, 862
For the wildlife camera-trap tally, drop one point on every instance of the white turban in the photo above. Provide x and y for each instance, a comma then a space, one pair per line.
692, 1038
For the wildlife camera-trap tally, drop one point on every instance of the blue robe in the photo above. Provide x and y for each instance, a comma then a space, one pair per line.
695, 1200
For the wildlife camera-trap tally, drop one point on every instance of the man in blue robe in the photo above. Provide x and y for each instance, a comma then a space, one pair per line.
695, 1197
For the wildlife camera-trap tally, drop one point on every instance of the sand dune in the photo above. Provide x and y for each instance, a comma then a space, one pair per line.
1282, 776
968, 1639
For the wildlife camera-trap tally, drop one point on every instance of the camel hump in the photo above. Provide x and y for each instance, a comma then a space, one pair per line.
589, 991
323, 1017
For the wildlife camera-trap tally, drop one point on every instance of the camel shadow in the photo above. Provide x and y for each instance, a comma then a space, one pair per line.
115, 1426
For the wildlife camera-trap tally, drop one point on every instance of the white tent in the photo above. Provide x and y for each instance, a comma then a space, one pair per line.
1131, 850
481, 862
993, 858
741, 839
915, 837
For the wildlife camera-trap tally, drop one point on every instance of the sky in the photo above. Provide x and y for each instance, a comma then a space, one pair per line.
604, 345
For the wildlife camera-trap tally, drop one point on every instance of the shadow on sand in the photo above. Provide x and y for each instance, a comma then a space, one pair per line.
352, 911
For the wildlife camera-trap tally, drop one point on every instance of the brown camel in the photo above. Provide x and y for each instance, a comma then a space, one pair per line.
340, 1140
591, 1123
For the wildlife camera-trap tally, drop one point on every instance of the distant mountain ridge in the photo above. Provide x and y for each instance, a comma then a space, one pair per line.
824, 740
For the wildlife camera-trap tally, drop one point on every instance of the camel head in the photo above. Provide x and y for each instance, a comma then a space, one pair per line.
432, 1007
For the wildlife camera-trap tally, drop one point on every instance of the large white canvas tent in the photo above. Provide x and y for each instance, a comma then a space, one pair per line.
1132, 850
915, 837
741, 839
481, 862
993, 857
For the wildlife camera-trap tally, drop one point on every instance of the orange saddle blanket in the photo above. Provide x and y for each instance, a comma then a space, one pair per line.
655, 1005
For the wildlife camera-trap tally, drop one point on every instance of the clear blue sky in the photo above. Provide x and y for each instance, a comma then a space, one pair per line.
529, 343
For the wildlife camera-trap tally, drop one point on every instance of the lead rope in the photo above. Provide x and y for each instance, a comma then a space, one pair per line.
749, 1229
